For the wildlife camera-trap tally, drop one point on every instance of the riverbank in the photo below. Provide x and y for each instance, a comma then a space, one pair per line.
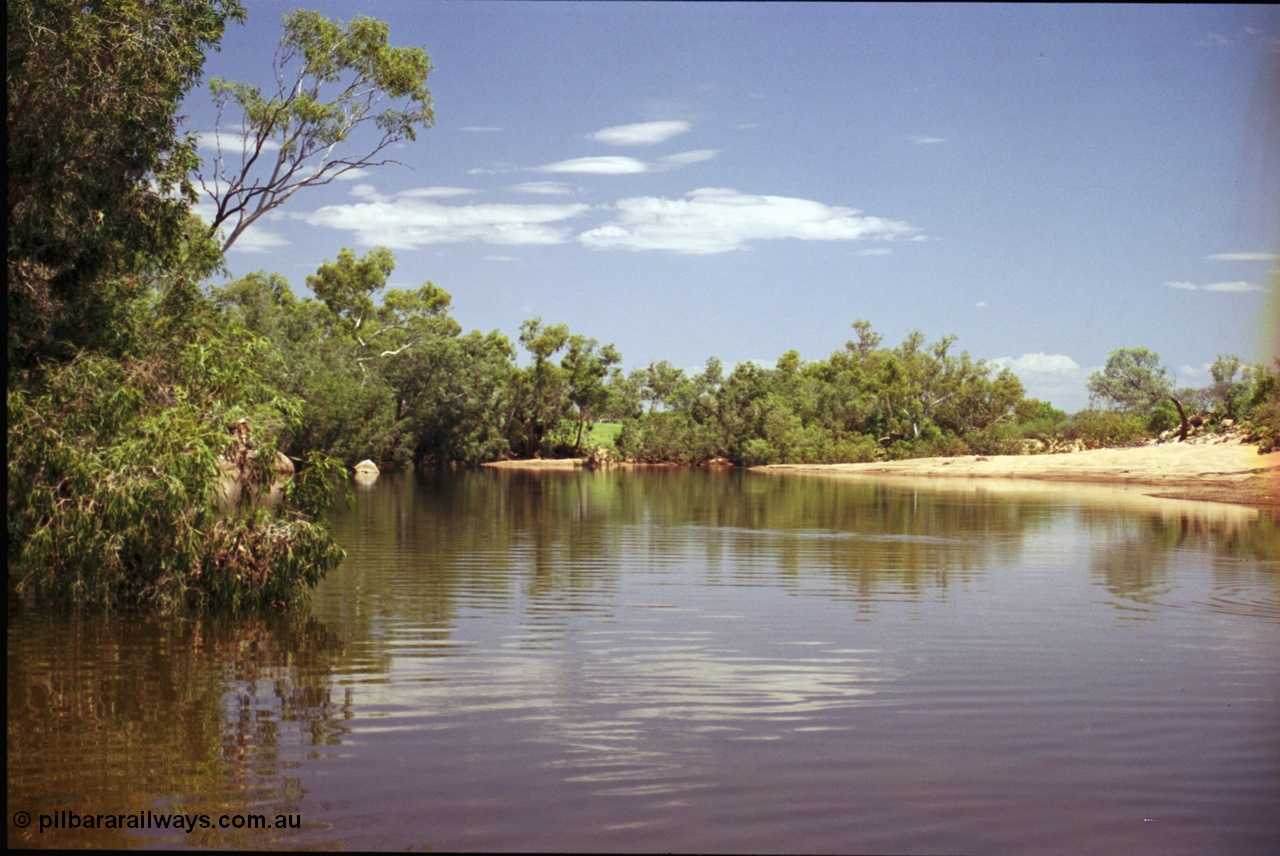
538, 464
1228, 472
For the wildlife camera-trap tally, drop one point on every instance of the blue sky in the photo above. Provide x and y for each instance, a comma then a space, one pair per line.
686, 180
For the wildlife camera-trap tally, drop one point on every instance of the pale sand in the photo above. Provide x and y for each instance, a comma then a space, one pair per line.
538, 464
1216, 472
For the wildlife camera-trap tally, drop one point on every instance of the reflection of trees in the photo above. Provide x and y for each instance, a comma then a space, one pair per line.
1131, 551
548, 543
422, 547
120, 714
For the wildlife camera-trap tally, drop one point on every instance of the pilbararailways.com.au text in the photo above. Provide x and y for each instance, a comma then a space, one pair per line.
69, 819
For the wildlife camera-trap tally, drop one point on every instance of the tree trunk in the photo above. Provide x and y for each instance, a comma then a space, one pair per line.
1186, 426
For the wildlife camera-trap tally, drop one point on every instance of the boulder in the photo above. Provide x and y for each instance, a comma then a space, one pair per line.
367, 469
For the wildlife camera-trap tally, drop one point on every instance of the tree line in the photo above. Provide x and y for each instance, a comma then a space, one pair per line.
137, 391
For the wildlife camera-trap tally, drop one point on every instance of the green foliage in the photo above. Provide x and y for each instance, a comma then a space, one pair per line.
97, 170
1133, 380
1264, 410
587, 365
390, 380
332, 81
116, 467
1164, 417
863, 402
1097, 429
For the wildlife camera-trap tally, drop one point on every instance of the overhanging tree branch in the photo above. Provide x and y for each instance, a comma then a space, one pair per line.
304, 131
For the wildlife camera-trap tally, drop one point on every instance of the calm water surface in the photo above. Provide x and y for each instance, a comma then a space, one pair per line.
694, 661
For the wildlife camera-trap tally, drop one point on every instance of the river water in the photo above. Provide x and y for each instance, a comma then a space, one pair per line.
691, 661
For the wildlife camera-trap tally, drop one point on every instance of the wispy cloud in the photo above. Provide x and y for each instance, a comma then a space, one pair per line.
919, 140
480, 129
1233, 286
686, 158
1237, 287
1243, 257
255, 239
208, 141
435, 192
623, 165
494, 169
1214, 40
372, 194
412, 219
546, 188
606, 165
641, 133
719, 220
1039, 363
258, 240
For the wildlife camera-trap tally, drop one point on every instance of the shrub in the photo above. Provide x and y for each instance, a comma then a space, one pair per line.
114, 481
999, 439
1098, 429
1163, 418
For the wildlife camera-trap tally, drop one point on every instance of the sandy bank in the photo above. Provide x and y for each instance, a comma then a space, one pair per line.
1218, 473
538, 464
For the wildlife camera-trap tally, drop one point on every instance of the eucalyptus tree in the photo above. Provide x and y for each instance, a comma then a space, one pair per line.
1134, 380
335, 84
539, 397
97, 168
587, 366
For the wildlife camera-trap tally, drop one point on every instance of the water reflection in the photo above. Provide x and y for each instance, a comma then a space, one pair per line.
688, 660
112, 714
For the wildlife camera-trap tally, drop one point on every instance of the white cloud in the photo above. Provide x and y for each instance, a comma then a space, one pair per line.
1214, 40
1039, 363
607, 165
367, 191
256, 240
351, 175
548, 188
480, 129
686, 158
495, 169
876, 251
719, 220
980, 304
1237, 287
1243, 257
641, 133
435, 192
1233, 286
409, 221
208, 141
926, 141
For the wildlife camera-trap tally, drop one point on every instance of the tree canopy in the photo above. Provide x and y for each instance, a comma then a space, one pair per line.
1133, 379
331, 81
98, 171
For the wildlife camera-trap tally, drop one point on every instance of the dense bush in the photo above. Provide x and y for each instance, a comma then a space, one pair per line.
1097, 429
114, 482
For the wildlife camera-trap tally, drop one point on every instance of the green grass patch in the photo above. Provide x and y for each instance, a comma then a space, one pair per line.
602, 434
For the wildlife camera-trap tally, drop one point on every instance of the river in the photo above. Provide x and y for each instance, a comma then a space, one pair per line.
692, 661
